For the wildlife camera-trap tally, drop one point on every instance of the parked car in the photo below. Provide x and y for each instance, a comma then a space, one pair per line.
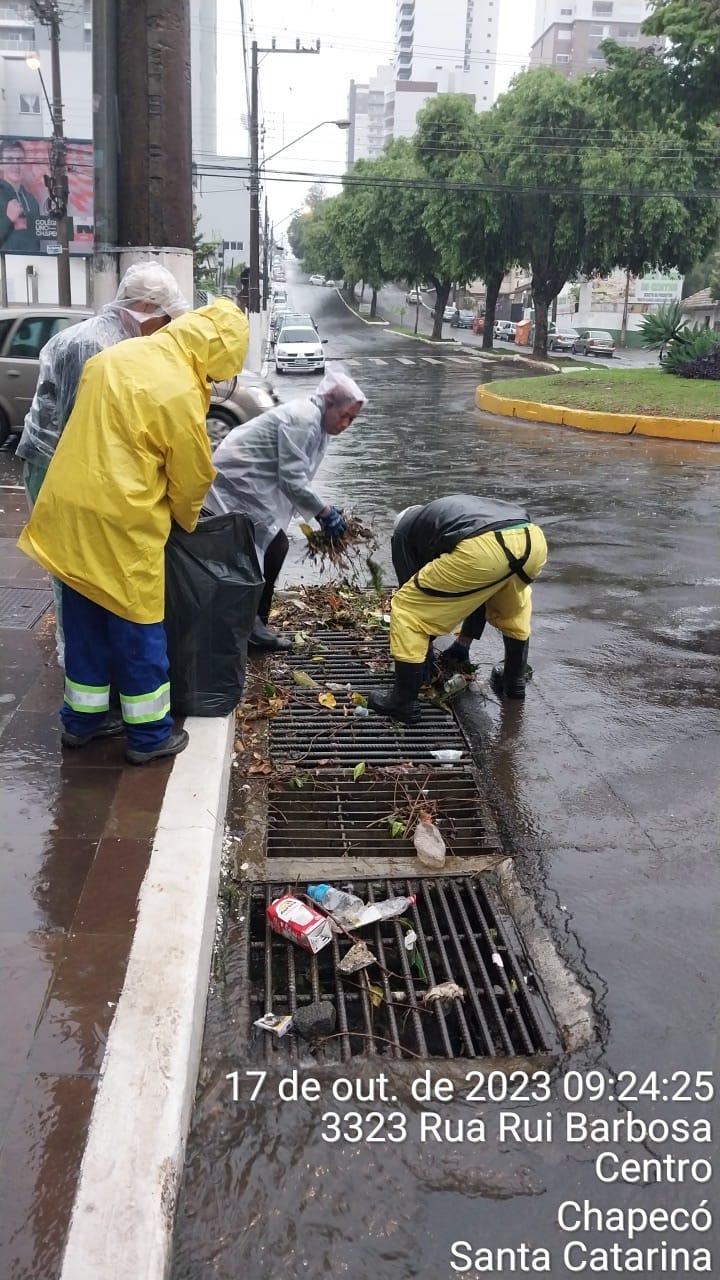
505, 330
413, 295
317, 280
478, 324
594, 342
279, 298
462, 319
23, 333
236, 401
331, 284
277, 320
448, 313
562, 340
299, 348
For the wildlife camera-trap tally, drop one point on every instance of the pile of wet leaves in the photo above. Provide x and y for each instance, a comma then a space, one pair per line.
347, 552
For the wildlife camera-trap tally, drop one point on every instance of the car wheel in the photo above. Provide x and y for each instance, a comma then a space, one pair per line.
4, 428
219, 423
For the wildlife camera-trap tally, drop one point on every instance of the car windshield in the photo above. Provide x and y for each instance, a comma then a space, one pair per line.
467, 315
298, 335
566, 333
600, 333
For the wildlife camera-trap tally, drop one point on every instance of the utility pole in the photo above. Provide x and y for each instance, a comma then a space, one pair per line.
105, 140
154, 171
46, 11
254, 292
266, 265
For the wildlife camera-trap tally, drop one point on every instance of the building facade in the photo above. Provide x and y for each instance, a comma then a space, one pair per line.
568, 33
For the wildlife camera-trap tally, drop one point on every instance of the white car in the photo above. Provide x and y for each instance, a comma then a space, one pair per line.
317, 279
299, 349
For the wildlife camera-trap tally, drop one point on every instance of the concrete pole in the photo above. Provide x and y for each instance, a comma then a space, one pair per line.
105, 277
254, 292
155, 124
58, 165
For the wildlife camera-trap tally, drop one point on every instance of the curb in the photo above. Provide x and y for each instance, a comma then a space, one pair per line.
700, 430
357, 315
122, 1218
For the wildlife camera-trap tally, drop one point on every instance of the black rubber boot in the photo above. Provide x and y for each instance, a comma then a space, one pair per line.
261, 637
176, 743
508, 677
110, 727
402, 701
429, 665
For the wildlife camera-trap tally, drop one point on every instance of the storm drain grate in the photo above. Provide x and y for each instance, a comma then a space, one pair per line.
22, 607
331, 817
337, 739
463, 936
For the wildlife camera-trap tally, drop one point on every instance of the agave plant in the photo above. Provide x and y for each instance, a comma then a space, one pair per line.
694, 354
664, 326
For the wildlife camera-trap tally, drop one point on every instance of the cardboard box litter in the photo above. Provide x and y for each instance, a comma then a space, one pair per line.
303, 925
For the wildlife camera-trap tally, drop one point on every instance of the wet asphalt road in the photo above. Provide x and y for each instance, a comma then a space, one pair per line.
605, 783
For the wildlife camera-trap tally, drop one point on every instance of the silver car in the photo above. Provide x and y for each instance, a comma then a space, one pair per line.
594, 342
23, 333
237, 401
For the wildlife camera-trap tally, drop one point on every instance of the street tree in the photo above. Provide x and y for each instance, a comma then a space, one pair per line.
400, 189
321, 251
542, 125
471, 214
692, 57
353, 218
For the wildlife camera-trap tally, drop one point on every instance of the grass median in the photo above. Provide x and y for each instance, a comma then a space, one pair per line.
642, 391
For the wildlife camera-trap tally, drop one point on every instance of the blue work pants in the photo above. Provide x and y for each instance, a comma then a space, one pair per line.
100, 647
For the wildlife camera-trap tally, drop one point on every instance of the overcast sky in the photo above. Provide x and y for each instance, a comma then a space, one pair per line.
297, 91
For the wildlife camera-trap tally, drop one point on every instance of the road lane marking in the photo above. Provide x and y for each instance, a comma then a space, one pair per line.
404, 360
377, 360
431, 360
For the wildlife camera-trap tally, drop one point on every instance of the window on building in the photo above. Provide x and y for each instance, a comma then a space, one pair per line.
602, 8
596, 55
597, 31
562, 57
566, 13
629, 32
29, 104
564, 33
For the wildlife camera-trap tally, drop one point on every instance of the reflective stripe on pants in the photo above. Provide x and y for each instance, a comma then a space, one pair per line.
100, 646
475, 572
87, 699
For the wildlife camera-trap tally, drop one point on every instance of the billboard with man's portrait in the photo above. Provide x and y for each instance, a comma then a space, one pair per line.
27, 222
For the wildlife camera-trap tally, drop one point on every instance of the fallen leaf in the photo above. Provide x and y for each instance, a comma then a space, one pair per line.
264, 766
375, 994
358, 957
327, 700
359, 700
359, 770
304, 680
308, 530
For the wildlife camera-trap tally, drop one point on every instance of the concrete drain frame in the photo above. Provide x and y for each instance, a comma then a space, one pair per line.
313, 820
464, 936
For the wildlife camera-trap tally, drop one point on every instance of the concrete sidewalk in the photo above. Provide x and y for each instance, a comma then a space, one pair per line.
76, 836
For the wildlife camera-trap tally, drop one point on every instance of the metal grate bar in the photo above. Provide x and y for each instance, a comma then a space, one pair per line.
458, 929
22, 607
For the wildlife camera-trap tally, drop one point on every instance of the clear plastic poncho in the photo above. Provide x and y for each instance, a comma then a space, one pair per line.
266, 468
62, 359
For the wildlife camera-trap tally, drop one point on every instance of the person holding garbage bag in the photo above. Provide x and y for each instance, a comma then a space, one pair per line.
134, 455
148, 297
266, 469
460, 557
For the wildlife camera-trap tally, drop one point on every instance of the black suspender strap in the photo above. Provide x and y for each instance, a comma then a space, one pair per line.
516, 566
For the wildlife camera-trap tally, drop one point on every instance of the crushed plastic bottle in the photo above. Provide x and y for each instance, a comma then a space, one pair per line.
455, 684
347, 908
387, 909
429, 844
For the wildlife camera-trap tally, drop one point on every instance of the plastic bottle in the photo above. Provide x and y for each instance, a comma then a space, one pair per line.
386, 909
455, 684
429, 844
333, 899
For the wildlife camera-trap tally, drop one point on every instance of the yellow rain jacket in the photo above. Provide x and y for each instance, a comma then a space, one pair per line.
135, 455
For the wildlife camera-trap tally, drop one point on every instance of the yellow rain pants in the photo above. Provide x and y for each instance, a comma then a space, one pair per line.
474, 573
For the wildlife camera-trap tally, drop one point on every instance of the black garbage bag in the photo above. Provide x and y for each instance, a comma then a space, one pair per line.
213, 584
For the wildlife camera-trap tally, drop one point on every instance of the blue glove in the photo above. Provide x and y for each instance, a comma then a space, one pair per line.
333, 524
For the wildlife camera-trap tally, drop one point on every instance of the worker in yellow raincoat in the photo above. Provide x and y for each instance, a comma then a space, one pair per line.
134, 455
460, 560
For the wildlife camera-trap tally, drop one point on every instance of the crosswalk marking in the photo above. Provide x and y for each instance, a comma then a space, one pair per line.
407, 360
404, 360
430, 360
377, 360
457, 359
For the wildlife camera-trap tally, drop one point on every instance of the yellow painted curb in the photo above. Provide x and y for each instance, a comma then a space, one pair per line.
701, 430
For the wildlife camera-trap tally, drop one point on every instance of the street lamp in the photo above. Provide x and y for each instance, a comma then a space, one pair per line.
255, 168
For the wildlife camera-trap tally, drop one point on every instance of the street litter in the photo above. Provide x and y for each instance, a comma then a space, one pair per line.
351, 912
358, 957
444, 993
447, 756
276, 1023
429, 844
303, 925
